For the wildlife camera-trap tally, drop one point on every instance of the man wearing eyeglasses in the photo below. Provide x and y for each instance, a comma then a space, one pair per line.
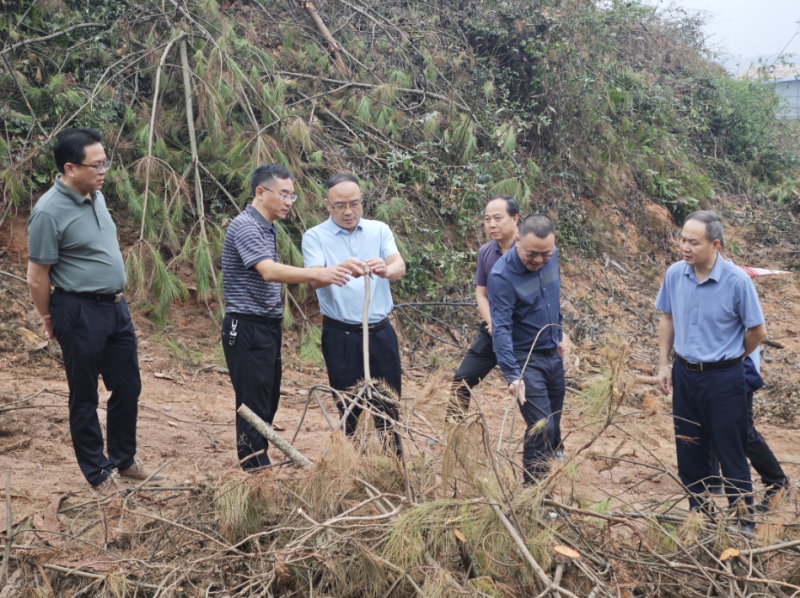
524, 296
353, 242
72, 244
251, 280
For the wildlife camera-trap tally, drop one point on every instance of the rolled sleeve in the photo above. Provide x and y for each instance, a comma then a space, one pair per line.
749, 306
312, 251
501, 303
43, 239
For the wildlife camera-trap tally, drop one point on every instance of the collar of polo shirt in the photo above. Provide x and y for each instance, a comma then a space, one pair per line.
73, 195
714, 275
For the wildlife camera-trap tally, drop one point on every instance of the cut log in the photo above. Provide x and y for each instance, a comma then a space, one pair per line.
267, 432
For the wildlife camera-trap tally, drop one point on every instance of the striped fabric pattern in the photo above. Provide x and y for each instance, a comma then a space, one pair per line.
249, 240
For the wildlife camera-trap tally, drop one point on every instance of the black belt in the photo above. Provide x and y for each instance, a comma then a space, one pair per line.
696, 366
268, 320
103, 297
354, 327
545, 351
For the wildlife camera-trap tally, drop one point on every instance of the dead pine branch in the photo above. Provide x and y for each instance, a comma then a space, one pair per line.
151, 132
334, 46
198, 186
9, 532
537, 569
46, 38
270, 434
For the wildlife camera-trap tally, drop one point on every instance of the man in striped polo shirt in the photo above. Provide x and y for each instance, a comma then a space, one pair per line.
251, 331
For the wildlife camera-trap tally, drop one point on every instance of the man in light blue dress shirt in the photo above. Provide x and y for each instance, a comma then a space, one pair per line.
352, 242
713, 319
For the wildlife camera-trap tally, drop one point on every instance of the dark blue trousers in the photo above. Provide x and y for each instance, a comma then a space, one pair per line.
709, 409
343, 353
544, 401
98, 338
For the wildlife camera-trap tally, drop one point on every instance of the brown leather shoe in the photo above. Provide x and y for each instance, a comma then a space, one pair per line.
106, 488
137, 473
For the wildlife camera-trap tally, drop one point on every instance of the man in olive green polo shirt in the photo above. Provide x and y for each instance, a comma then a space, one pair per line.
72, 244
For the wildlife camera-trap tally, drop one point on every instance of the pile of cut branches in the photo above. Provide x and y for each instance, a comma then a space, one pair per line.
453, 522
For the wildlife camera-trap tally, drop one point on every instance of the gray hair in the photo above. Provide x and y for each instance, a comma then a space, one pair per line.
713, 224
538, 224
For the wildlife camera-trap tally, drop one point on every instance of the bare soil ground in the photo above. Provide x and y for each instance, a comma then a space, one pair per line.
186, 407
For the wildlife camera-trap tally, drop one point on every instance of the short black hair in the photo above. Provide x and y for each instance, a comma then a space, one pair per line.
713, 224
512, 207
71, 146
341, 178
538, 224
266, 173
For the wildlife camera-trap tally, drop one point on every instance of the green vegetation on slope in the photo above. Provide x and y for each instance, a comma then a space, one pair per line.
434, 105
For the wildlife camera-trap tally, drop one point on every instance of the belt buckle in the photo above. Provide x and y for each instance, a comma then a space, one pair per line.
694, 366
117, 297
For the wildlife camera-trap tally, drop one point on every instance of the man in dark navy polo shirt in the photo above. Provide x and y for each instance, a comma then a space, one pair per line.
73, 246
500, 219
713, 319
251, 279
524, 295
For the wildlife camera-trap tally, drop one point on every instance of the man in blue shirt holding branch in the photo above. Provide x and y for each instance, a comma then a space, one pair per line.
713, 319
524, 295
352, 242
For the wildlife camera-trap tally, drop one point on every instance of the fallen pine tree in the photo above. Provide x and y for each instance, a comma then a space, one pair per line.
453, 522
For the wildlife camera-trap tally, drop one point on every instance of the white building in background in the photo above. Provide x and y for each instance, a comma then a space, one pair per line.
786, 80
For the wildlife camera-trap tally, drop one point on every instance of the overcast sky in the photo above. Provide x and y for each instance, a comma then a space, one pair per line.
745, 30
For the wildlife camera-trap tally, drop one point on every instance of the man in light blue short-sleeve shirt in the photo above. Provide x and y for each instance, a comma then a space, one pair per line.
713, 319
350, 241
328, 244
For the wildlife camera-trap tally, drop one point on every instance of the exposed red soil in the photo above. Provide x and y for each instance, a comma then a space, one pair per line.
186, 407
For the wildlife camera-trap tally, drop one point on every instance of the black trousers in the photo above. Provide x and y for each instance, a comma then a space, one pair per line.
710, 410
254, 365
760, 455
476, 365
344, 360
98, 338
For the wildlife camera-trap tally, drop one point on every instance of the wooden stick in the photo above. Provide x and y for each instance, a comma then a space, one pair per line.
198, 186
365, 324
527, 553
421, 92
51, 36
267, 432
13, 75
156, 93
9, 531
88, 575
224, 190
325, 32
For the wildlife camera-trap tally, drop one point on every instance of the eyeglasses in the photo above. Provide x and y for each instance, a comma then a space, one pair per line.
290, 197
532, 255
103, 166
341, 207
